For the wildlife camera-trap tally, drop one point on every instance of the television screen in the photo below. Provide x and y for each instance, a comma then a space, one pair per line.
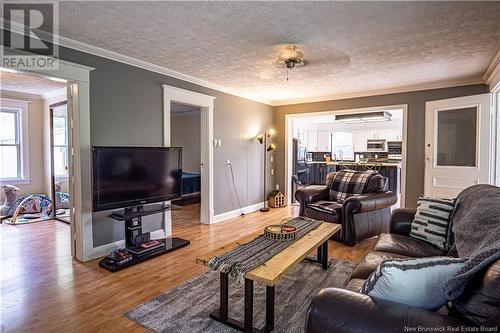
132, 176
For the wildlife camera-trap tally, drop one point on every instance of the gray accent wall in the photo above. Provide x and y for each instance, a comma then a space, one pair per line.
126, 110
416, 127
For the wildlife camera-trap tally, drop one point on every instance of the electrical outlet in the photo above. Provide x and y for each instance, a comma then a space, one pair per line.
272, 159
228, 163
272, 172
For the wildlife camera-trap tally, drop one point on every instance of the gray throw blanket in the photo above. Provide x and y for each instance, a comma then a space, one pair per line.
476, 228
248, 256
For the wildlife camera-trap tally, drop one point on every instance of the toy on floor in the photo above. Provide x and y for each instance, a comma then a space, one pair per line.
11, 194
61, 198
33, 208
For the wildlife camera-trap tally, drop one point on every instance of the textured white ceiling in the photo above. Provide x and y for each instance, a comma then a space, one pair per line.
350, 47
28, 83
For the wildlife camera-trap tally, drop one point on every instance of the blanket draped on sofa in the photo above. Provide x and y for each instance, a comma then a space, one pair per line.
476, 228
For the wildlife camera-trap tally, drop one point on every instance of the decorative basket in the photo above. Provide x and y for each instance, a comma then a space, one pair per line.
280, 232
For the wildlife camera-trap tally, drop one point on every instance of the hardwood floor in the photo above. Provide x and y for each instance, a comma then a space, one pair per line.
43, 290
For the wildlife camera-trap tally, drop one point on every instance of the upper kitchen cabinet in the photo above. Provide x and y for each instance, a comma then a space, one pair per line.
324, 141
394, 134
319, 141
301, 135
376, 134
359, 140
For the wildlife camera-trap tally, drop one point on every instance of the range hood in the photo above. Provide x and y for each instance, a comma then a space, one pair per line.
365, 117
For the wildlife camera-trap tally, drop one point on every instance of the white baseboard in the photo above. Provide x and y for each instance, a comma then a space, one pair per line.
105, 249
237, 212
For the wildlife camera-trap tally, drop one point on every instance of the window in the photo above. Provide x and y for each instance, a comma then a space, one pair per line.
343, 146
13, 135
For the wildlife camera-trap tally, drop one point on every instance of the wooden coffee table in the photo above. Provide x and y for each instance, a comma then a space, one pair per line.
269, 274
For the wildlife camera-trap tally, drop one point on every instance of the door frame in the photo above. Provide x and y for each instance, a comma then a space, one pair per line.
289, 145
78, 97
51, 150
431, 110
206, 104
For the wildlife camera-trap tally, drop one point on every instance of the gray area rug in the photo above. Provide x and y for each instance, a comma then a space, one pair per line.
186, 308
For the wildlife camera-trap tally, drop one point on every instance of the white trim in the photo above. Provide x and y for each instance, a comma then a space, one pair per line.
22, 109
492, 74
237, 212
404, 89
288, 142
206, 103
19, 96
103, 250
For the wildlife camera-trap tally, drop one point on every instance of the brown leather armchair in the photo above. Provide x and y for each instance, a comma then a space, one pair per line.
361, 216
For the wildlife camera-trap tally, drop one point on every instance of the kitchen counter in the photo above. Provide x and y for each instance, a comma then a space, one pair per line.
386, 164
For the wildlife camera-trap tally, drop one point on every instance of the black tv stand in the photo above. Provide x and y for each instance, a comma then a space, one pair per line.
134, 236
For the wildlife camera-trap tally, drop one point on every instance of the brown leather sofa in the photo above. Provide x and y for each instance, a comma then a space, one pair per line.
347, 310
361, 216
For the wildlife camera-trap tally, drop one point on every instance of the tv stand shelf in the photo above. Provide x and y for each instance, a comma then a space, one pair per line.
134, 237
170, 244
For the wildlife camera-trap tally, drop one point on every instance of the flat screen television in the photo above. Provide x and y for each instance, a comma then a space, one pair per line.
133, 176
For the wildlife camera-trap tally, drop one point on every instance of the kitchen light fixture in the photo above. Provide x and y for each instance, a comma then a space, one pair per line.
368, 117
290, 58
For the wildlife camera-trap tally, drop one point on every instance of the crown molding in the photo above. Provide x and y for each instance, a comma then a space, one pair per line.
20, 96
115, 56
404, 89
492, 74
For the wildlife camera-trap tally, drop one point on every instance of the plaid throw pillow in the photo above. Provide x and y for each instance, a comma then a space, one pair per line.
347, 183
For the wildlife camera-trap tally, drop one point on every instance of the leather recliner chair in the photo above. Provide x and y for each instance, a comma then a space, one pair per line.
361, 216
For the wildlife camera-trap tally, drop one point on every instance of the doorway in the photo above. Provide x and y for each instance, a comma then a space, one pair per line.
316, 143
458, 144
206, 105
185, 132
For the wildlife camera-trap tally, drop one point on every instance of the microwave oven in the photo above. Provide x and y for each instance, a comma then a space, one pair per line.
375, 145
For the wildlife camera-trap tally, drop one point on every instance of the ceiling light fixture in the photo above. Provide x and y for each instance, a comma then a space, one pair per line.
368, 117
290, 58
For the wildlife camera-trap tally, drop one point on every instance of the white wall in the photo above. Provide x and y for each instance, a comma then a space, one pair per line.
186, 133
35, 144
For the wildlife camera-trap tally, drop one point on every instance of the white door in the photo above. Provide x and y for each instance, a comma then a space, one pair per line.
457, 143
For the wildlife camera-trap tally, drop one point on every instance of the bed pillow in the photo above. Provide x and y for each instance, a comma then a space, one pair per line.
415, 282
432, 221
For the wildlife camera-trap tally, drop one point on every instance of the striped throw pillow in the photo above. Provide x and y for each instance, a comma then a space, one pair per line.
432, 222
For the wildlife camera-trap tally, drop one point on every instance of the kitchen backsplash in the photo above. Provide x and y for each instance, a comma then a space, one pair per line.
373, 155
319, 156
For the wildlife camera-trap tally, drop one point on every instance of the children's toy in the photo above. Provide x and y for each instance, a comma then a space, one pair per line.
32, 208
11, 194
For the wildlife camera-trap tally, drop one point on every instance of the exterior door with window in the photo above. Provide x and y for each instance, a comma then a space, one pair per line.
458, 144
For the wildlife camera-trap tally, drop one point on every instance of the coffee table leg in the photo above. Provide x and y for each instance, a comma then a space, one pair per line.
248, 323
324, 255
270, 307
319, 252
224, 295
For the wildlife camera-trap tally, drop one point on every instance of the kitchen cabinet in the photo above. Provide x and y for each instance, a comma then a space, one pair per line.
312, 140
394, 134
359, 140
324, 141
319, 141
375, 134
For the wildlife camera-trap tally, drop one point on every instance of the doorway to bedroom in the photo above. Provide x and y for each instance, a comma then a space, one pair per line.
185, 122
